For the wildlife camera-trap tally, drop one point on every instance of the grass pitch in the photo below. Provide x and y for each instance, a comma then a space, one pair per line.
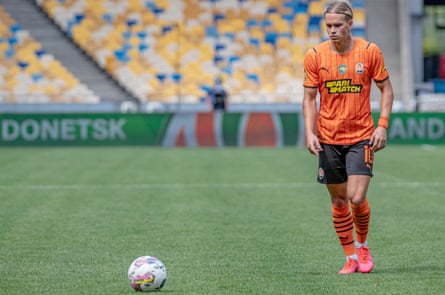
224, 221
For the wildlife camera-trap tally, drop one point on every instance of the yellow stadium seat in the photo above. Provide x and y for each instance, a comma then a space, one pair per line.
316, 7
82, 35
359, 17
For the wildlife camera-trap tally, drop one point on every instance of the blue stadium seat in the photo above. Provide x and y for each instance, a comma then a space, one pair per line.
439, 85
253, 77
251, 23
271, 37
212, 31
358, 32
177, 77
357, 4
314, 23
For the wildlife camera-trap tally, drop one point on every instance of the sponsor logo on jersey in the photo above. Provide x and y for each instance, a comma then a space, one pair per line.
342, 86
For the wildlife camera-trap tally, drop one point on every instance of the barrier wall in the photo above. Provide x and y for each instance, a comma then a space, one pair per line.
417, 128
254, 129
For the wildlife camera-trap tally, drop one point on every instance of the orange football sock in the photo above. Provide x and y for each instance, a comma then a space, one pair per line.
343, 224
361, 215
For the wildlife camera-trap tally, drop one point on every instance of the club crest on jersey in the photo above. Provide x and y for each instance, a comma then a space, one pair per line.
342, 69
359, 68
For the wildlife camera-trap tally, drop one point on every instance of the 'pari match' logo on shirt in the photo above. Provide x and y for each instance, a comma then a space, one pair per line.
342, 86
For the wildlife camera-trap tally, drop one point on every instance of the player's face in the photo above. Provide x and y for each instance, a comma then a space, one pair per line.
337, 27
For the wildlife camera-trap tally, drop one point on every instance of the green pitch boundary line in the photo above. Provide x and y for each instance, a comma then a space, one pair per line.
176, 186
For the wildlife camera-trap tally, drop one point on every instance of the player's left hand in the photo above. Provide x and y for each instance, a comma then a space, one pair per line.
378, 139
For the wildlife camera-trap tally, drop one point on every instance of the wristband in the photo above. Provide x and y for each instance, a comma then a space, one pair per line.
383, 122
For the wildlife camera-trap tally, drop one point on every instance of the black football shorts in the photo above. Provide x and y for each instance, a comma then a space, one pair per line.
337, 162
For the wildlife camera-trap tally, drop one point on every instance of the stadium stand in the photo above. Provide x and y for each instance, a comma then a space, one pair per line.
29, 74
165, 51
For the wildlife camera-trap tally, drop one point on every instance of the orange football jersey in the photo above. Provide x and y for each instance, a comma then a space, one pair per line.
344, 82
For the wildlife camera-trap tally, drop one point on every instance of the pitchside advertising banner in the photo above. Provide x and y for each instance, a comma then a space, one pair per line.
255, 129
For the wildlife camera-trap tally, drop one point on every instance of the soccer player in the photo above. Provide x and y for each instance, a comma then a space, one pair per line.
340, 131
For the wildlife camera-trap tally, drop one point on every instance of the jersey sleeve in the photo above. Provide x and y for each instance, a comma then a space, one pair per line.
310, 69
379, 71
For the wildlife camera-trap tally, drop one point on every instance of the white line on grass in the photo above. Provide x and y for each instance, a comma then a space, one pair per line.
137, 186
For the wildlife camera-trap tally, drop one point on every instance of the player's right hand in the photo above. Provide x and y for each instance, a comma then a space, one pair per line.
313, 145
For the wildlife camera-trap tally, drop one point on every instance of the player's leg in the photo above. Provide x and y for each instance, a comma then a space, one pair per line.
359, 166
332, 172
343, 225
361, 211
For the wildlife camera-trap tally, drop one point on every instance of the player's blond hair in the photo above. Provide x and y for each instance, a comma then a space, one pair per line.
340, 7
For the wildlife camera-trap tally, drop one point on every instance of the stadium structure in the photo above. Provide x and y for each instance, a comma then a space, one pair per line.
147, 55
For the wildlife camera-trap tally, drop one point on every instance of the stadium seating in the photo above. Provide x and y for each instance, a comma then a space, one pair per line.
28, 74
166, 51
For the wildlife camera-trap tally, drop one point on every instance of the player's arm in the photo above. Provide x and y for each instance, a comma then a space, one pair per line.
378, 139
310, 119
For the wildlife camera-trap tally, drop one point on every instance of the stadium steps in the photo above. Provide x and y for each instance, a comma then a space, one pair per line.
29, 16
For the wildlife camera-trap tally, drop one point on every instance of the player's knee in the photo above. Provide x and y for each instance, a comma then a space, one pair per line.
339, 202
357, 200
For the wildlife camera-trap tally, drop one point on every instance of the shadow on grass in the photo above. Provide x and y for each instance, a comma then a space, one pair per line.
382, 270
411, 269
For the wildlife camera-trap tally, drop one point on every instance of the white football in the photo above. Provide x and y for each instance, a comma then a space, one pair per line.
147, 273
